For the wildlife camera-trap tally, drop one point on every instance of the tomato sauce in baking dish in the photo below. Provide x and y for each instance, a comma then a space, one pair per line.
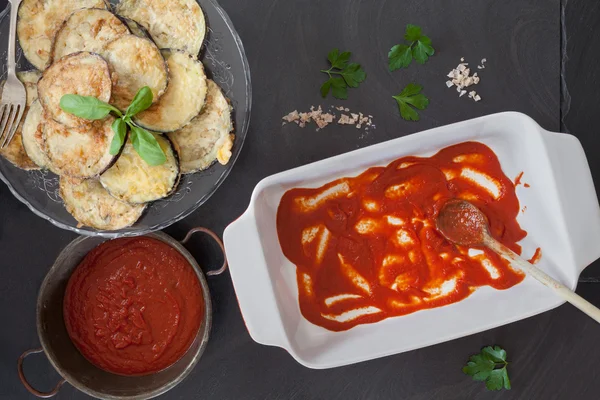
133, 306
366, 247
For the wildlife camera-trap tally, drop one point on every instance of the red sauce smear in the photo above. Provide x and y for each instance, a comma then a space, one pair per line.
537, 256
518, 180
133, 306
366, 248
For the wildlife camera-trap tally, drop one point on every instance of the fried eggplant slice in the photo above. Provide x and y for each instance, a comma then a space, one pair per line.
208, 137
135, 28
184, 97
31, 136
38, 22
173, 24
88, 29
82, 73
134, 63
79, 152
132, 180
91, 205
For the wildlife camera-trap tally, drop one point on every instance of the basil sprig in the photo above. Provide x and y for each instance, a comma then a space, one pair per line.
86, 107
144, 142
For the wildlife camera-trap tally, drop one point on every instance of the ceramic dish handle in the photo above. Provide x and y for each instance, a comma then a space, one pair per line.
216, 239
577, 196
252, 283
43, 395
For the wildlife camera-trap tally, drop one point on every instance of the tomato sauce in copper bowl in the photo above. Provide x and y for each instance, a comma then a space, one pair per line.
126, 318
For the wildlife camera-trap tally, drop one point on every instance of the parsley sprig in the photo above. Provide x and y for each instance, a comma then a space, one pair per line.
489, 366
418, 47
348, 75
411, 96
91, 108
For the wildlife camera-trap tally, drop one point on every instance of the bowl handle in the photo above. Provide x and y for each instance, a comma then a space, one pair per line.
43, 395
577, 196
252, 283
216, 239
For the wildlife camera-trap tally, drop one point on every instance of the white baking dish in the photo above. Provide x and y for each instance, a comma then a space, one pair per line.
562, 217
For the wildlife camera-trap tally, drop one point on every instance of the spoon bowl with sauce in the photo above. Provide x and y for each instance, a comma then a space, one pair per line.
462, 223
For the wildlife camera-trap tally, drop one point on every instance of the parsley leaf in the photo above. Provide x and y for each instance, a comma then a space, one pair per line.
489, 365
350, 75
496, 353
479, 367
399, 56
498, 379
325, 88
353, 74
338, 60
422, 50
411, 96
412, 33
338, 88
419, 48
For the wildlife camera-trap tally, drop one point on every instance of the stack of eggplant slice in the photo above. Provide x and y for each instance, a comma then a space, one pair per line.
82, 47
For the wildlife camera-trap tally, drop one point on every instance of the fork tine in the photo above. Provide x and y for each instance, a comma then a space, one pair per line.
5, 112
6, 128
19, 116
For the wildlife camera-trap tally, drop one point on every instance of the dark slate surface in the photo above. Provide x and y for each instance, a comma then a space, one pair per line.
553, 355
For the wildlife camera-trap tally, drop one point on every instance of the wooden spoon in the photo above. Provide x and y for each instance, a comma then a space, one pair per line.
464, 224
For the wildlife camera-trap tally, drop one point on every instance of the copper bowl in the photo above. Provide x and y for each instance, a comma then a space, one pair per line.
69, 362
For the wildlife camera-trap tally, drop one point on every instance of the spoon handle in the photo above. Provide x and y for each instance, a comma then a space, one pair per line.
544, 278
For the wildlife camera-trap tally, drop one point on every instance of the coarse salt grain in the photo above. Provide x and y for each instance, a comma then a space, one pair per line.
291, 117
346, 120
461, 78
325, 120
322, 119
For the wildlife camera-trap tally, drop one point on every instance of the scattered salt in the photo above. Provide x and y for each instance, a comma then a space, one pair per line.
322, 119
461, 78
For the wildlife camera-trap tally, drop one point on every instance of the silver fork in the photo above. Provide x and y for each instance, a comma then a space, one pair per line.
14, 97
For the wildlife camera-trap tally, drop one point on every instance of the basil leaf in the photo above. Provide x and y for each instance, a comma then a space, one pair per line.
141, 101
147, 146
119, 127
86, 107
